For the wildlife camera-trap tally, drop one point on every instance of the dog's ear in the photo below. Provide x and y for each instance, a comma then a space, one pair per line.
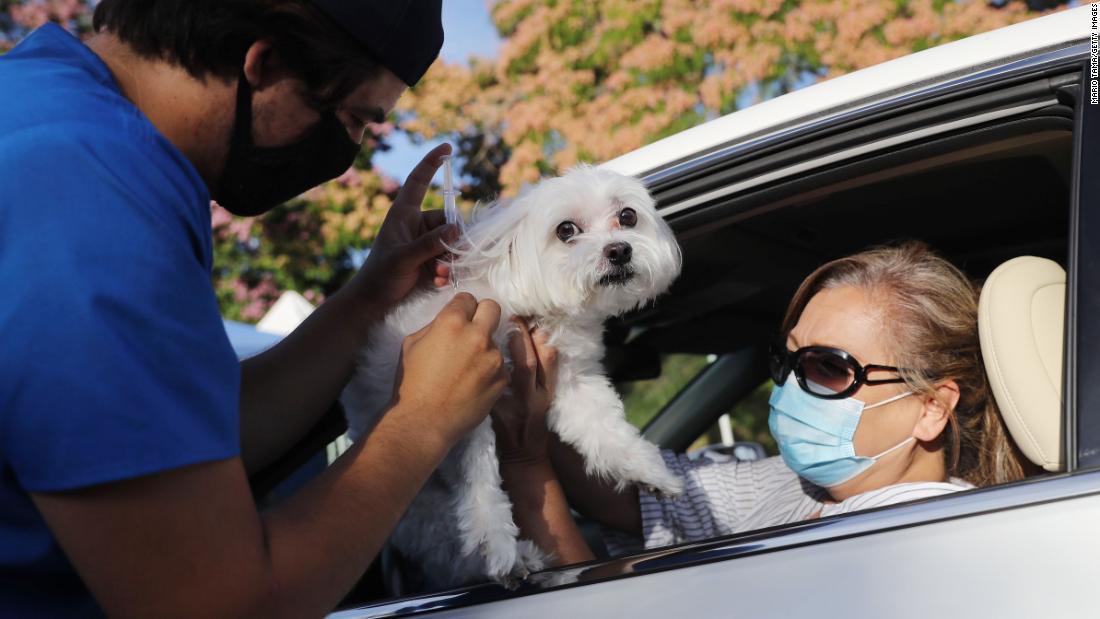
486, 210
490, 238
504, 272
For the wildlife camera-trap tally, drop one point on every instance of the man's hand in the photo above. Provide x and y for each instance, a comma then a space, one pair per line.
285, 389
452, 369
190, 543
402, 255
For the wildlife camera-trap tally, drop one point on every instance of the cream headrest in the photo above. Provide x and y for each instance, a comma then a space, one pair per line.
1021, 316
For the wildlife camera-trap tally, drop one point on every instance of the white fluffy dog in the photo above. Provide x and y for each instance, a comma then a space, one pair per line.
568, 253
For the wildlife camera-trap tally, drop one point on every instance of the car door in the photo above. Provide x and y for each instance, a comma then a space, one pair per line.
1026, 548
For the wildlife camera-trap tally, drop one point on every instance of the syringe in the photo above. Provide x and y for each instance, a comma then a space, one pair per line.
450, 208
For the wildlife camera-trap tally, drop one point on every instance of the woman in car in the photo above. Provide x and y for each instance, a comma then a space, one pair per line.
880, 397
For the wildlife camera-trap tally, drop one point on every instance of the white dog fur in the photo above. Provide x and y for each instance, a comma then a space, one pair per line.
459, 529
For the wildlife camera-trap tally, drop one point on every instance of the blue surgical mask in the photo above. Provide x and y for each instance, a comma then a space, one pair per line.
815, 435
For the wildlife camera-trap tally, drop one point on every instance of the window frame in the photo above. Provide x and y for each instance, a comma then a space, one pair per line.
1080, 357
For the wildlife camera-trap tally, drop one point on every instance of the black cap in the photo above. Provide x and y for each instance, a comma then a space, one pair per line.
404, 35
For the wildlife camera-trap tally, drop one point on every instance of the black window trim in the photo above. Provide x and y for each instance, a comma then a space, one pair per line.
1071, 485
1082, 363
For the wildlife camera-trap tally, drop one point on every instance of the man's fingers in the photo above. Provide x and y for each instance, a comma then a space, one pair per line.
487, 315
412, 338
463, 305
416, 185
421, 176
430, 220
442, 272
432, 243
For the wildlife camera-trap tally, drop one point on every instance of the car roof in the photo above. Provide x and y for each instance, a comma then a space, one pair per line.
862, 87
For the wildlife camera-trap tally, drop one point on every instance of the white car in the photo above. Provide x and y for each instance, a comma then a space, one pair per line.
987, 148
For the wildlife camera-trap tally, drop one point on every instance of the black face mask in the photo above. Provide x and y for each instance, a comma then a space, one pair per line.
256, 180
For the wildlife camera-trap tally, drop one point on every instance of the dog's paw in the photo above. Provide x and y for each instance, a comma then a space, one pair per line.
500, 555
530, 558
508, 581
656, 493
554, 578
664, 485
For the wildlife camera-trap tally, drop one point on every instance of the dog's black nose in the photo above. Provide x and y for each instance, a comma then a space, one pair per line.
618, 254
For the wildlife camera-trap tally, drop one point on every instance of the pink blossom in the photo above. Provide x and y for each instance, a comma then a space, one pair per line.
350, 178
390, 185
240, 291
257, 299
34, 13
254, 310
219, 216
652, 53
242, 229
380, 129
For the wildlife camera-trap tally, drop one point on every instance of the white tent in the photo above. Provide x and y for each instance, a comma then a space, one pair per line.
287, 313
246, 340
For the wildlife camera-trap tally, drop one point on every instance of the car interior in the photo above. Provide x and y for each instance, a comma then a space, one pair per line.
993, 197
1021, 324
989, 189
980, 196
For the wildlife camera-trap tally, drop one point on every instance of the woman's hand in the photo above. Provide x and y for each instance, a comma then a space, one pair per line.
403, 255
538, 502
519, 419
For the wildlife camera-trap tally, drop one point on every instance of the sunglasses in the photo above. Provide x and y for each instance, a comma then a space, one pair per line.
824, 372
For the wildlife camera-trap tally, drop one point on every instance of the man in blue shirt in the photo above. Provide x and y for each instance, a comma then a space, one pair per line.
127, 427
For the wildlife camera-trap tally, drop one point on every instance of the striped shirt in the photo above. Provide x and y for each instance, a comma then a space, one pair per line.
722, 498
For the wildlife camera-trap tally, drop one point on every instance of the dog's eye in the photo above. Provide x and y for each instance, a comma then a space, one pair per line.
628, 218
567, 230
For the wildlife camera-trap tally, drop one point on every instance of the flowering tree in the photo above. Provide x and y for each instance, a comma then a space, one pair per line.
19, 17
574, 81
588, 81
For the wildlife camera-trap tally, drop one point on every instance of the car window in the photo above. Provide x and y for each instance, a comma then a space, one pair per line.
746, 421
1004, 186
643, 399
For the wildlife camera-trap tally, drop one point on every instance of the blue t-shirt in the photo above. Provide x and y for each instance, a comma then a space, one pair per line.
113, 360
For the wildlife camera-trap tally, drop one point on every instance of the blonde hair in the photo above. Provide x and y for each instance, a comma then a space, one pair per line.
930, 322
